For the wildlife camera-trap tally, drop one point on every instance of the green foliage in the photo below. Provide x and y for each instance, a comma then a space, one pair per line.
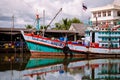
43, 27
28, 26
65, 24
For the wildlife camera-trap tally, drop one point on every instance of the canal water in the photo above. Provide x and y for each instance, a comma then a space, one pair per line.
14, 67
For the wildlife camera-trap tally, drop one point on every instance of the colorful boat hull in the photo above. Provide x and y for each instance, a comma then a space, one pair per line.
40, 44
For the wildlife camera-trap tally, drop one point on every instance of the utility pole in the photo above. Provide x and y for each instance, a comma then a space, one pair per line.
13, 21
12, 26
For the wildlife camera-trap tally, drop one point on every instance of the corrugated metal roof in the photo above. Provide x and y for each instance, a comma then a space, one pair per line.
19, 29
80, 28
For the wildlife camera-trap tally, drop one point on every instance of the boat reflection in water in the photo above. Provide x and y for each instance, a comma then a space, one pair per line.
66, 68
70, 68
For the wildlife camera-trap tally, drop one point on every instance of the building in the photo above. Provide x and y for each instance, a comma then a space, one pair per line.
78, 28
109, 13
107, 31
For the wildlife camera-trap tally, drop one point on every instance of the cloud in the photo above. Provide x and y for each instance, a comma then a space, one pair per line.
25, 10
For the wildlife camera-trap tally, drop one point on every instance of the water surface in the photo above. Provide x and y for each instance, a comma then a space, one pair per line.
59, 68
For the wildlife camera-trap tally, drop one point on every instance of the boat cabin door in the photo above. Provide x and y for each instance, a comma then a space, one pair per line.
93, 37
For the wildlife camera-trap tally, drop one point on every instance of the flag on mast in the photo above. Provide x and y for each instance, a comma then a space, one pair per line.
84, 7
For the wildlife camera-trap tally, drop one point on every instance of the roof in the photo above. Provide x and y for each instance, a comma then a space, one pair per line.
116, 2
13, 29
107, 7
78, 27
61, 31
114, 5
17, 31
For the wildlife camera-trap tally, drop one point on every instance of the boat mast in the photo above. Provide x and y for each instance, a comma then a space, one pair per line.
38, 23
96, 21
43, 22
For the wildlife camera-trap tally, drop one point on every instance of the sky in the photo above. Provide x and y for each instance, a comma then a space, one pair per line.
24, 11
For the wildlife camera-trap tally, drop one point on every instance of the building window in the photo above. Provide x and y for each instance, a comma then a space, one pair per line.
109, 13
94, 15
115, 23
99, 14
104, 14
118, 13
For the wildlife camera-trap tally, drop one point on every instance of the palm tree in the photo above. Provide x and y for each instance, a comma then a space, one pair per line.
65, 24
75, 20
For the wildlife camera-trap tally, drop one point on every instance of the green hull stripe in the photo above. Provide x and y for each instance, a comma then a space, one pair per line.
42, 48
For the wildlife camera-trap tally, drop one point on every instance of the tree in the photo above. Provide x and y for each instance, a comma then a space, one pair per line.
58, 26
28, 26
43, 27
65, 24
75, 20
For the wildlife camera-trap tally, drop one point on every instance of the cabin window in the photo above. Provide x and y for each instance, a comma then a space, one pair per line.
99, 32
115, 23
113, 39
109, 13
112, 32
104, 13
106, 45
99, 14
87, 33
107, 39
94, 15
105, 32
102, 45
115, 45
104, 39
118, 13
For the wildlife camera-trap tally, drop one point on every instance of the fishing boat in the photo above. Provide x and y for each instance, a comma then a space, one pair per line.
94, 42
102, 39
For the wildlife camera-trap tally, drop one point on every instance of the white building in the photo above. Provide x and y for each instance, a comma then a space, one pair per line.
105, 35
109, 13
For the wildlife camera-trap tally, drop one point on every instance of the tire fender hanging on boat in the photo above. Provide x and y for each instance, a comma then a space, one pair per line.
66, 49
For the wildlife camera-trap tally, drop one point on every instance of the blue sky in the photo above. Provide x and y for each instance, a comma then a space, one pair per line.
24, 10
